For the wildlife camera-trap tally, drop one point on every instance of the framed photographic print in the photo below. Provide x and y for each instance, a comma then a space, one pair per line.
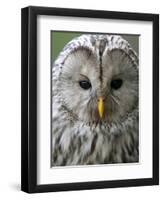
90, 99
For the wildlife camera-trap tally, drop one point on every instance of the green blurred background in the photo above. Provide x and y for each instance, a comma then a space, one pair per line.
59, 39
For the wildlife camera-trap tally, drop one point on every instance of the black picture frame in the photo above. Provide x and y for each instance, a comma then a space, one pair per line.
29, 99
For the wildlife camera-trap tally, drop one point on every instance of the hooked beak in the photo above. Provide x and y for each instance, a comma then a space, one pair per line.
101, 107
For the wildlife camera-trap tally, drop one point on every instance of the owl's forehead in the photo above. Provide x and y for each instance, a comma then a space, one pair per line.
98, 44
95, 64
97, 54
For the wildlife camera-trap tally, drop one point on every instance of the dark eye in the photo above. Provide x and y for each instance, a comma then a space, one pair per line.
116, 84
85, 84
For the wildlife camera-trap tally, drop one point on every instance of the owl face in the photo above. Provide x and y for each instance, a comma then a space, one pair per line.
99, 82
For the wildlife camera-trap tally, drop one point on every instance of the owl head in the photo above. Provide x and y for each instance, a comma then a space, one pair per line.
96, 77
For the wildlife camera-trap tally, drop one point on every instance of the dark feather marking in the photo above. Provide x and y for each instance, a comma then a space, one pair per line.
64, 161
54, 158
93, 144
79, 144
101, 71
112, 37
102, 46
123, 155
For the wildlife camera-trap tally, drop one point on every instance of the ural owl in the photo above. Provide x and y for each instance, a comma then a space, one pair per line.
95, 102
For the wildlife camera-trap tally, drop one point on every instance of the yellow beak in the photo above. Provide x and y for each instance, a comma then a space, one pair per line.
101, 107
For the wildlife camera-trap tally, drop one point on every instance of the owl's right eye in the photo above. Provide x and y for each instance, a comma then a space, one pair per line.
85, 84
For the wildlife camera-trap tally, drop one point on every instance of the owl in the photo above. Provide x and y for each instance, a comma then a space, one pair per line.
95, 118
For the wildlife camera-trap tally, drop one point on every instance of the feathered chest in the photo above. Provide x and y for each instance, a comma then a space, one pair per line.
76, 143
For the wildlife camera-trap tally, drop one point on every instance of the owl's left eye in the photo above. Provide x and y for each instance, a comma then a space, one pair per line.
116, 84
85, 84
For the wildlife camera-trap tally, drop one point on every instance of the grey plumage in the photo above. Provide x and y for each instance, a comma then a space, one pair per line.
79, 135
